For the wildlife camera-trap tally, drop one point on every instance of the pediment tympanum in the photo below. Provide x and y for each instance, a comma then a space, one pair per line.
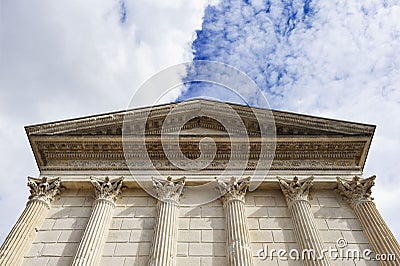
302, 142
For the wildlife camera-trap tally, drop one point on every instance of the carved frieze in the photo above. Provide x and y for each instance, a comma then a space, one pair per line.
215, 165
191, 144
356, 190
302, 142
110, 155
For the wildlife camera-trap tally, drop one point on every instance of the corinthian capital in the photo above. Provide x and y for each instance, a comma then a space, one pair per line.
235, 188
107, 189
296, 189
356, 190
44, 189
169, 190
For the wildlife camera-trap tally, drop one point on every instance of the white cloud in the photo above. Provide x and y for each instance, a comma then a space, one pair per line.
72, 58
337, 59
65, 59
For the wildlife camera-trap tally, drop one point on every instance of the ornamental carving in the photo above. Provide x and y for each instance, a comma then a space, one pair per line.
167, 189
302, 143
120, 164
44, 189
356, 190
234, 189
296, 189
106, 188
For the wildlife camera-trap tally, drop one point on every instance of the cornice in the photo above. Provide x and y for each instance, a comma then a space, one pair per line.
302, 142
115, 120
92, 152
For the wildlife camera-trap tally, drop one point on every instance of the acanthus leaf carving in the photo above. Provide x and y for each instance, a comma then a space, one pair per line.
235, 188
44, 189
356, 190
296, 189
169, 190
106, 188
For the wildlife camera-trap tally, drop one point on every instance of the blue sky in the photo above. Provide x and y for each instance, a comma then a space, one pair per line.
337, 59
65, 59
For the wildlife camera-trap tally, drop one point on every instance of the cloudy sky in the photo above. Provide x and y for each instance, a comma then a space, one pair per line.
65, 59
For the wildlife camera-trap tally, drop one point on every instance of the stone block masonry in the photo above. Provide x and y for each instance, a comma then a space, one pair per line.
201, 233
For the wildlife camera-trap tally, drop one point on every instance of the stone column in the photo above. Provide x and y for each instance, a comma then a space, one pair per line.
308, 238
91, 246
163, 249
357, 192
237, 231
43, 191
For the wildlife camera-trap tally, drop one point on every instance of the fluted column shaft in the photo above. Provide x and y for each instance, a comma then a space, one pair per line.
306, 231
357, 192
23, 233
237, 234
91, 246
237, 231
165, 234
381, 238
163, 250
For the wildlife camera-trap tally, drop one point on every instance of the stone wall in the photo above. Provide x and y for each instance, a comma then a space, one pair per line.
335, 220
58, 238
201, 237
201, 234
131, 230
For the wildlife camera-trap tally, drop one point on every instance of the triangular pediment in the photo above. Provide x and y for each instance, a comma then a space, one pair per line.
202, 131
286, 124
298, 142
